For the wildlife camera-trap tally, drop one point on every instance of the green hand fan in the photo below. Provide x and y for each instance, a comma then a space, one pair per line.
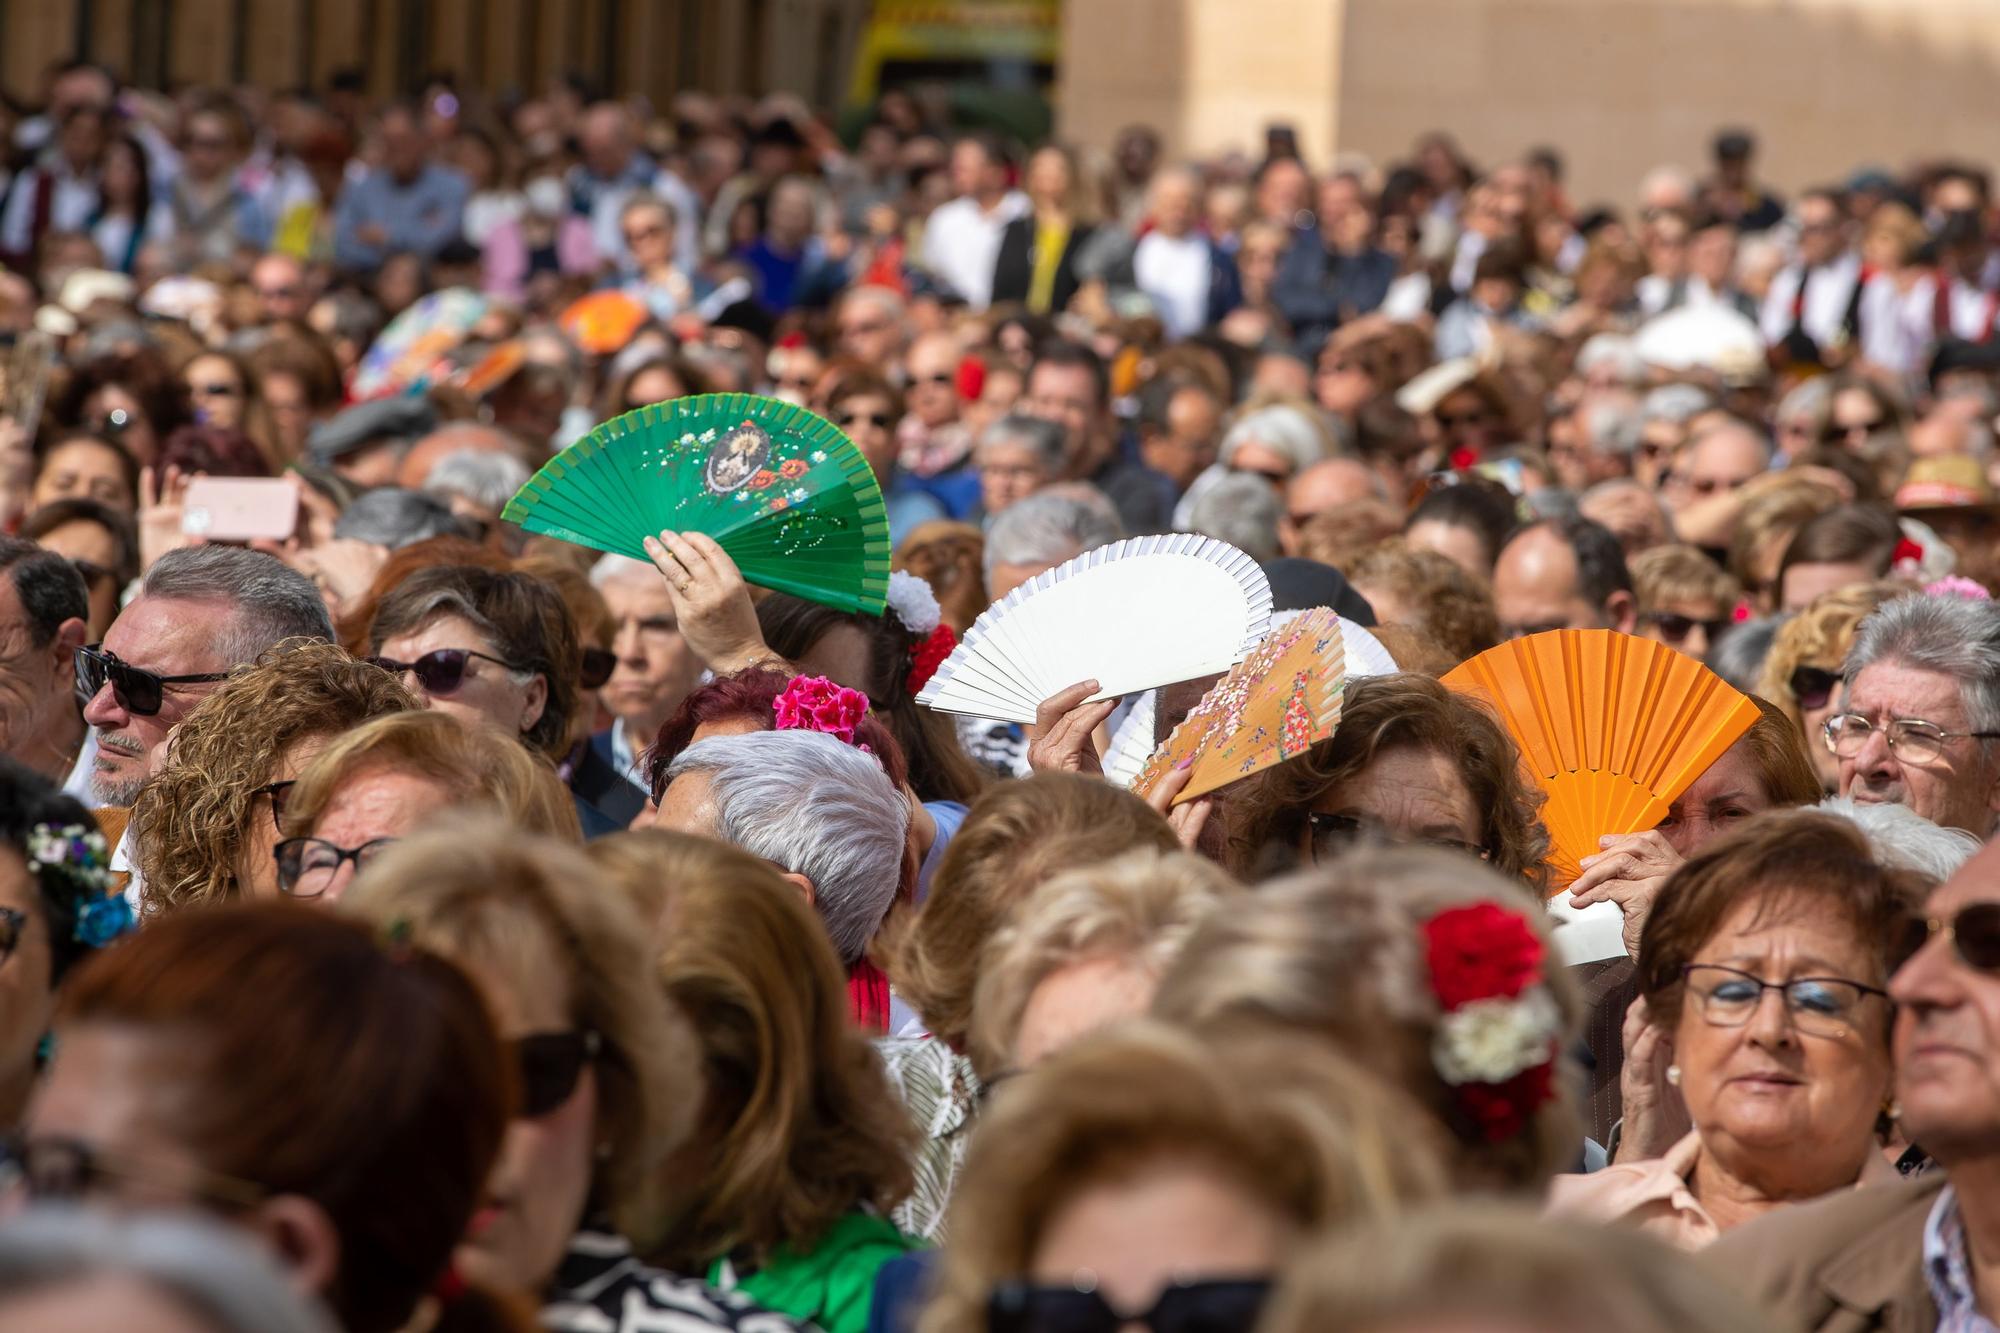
782, 490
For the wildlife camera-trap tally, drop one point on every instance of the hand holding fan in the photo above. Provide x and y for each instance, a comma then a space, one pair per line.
1275, 705
781, 490
1611, 726
1132, 615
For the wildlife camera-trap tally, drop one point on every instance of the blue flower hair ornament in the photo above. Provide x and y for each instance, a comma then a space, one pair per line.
79, 857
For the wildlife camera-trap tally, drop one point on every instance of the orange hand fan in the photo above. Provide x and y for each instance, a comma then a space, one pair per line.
1613, 727
1272, 706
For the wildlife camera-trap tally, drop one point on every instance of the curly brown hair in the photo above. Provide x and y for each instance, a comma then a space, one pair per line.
1437, 598
1267, 813
192, 818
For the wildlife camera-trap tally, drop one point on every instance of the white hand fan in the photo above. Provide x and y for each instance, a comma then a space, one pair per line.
1587, 934
1133, 615
1132, 744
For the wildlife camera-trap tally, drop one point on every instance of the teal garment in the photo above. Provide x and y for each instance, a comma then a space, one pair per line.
833, 1283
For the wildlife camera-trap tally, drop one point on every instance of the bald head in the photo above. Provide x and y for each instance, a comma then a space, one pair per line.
1717, 460
425, 454
1566, 575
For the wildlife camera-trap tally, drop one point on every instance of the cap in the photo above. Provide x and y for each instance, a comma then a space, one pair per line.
1953, 481
400, 419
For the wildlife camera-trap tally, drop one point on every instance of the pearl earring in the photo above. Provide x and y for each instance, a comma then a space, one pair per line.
1674, 1075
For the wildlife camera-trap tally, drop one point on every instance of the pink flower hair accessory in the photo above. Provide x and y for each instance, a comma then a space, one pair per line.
814, 703
1954, 585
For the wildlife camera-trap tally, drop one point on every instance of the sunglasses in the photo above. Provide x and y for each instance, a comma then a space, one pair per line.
879, 420
1454, 420
138, 691
940, 378
549, 1065
215, 391
1188, 1307
440, 671
1675, 628
598, 664
1974, 934
638, 234
1813, 686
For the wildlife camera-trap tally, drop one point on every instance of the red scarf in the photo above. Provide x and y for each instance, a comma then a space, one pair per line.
868, 997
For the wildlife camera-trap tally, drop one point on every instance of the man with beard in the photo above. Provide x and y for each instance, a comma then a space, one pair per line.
201, 611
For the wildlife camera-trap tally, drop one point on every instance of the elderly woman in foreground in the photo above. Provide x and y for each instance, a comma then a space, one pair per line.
1766, 960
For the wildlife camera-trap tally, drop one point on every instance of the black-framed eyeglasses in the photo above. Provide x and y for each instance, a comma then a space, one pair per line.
54, 1167
598, 664
1812, 686
307, 866
1334, 834
1674, 628
879, 420
1209, 1306
1914, 740
1727, 997
1974, 934
549, 1065
13, 924
442, 670
136, 689
279, 792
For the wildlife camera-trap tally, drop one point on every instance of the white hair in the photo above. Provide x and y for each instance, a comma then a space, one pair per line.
1613, 427
1282, 429
1242, 510
611, 568
272, 602
817, 808
1614, 350
1047, 528
1902, 839
486, 478
200, 1266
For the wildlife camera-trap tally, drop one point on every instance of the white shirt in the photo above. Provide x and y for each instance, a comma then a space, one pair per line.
962, 243
1828, 291
1175, 274
1896, 325
73, 201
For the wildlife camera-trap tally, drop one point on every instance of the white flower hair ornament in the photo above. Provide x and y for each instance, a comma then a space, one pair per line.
913, 603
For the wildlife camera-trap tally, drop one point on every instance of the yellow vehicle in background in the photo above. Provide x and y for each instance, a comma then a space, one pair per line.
988, 63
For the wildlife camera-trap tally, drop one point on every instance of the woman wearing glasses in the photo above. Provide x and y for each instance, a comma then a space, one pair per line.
1763, 969
606, 1070
208, 820
1412, 762
339, 1101
1802, 671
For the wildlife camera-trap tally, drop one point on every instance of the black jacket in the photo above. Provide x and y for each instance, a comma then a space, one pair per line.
1014, 270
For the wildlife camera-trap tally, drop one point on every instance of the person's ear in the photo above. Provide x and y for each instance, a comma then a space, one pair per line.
69, 637
535, 699
804, 884
1622, 611
303, 1238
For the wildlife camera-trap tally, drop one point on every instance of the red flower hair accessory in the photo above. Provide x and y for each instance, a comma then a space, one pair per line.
929, 655
814, 703
1497, 1039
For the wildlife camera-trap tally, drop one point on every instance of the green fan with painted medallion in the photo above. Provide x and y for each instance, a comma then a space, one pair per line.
779, 488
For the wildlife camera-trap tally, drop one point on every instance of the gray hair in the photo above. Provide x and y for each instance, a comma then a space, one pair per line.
1242, 510
1045, 529
1614, 427
816, 807
393, 517
486, 478
1949, 635
1739, 657
1902, 839
199, 1265
1812, 399
273, 602
611, 568
1677, 403
1615, 351
1282, 429
1046, 438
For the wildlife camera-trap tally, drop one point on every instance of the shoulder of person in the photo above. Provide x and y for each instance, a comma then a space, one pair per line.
1858, 1251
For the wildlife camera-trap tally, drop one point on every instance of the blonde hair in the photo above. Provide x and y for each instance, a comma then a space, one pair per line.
1140, 908
193, 816
1768, 523
479, 766
1312, 1137
1500, 1266
1819, 636
1678, 575
475, 890
806, 1126
1339, 952
1016, 835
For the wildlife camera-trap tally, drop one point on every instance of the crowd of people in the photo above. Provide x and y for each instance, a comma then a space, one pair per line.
409, 923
